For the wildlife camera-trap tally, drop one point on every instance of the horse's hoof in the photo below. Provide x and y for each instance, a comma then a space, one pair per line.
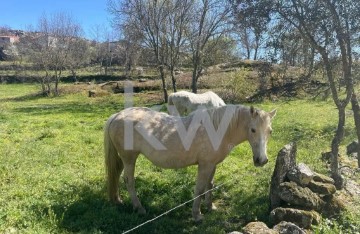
198, 218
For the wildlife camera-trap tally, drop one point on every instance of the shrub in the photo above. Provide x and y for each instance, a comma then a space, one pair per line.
239, 85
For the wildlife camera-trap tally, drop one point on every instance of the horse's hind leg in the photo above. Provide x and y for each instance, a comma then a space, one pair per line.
113, 182
129, 169
208, 196
203, 178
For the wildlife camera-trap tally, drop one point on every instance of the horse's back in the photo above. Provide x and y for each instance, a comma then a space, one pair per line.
187, 102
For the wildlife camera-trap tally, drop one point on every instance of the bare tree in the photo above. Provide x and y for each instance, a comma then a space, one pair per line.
150, 19
51, 46
245, 40
79, 55
104, 47
178, 18
209, 20
133, 49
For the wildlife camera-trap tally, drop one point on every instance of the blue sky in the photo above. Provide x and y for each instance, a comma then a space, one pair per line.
19, 14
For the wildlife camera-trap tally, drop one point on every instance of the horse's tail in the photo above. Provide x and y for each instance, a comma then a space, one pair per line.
113, 164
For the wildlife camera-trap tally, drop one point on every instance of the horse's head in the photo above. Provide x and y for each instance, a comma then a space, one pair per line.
258, 134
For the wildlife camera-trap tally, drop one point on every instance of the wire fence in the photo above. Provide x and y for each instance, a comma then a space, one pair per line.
172, 209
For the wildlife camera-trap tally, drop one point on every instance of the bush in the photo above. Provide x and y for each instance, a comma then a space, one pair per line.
238, 86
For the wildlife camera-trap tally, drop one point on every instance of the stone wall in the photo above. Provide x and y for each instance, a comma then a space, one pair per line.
299, 197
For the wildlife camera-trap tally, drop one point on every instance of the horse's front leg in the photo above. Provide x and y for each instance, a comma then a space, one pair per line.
203, 177
129, 170
208, 196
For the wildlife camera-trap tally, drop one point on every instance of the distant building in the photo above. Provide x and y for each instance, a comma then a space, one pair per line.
8, 40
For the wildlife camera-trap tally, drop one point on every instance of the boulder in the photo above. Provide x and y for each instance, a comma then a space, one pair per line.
301, 174
353, 155
288, 228
285, 161
92, 93
301, 218
321, 188
299, 196
323, 178
258, 227
352, 147
333, 206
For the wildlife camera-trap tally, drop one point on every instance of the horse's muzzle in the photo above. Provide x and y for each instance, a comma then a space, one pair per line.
259, 163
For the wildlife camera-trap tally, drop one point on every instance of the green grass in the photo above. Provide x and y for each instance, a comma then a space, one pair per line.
52, 171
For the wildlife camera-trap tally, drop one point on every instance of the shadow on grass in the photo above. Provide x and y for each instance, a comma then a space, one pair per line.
91, 212
27, 97
73, 107
86, 209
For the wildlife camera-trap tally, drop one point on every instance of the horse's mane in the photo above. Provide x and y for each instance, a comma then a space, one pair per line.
216, 114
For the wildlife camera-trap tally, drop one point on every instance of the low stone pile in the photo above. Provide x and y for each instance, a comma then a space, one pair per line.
298, 196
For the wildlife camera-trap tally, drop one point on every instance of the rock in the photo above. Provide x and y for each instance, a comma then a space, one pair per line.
285, 161
235, 232
288, 228
299, 196
321, 188
353, 155
142, 80
301, 218
333, 206
258, 227
323, 178
92, 93
352, 147
301, 174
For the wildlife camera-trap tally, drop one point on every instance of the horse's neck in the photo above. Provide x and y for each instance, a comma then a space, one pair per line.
239, 131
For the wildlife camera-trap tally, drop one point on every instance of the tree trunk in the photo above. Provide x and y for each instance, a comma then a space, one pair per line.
195, 74
106, 69
356, 110
57, 81
256, 49
162, 76
339, 134
193, 80
173, 79
248, 53
73, 72
43, 83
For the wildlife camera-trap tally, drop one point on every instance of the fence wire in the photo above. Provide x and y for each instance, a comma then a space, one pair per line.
172, 209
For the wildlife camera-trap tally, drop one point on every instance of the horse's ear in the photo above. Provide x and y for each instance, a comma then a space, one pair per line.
253, 111
272, 113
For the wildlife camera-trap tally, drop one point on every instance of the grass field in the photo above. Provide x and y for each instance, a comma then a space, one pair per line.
52, 170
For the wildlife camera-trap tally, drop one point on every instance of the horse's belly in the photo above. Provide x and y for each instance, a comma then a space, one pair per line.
165, 160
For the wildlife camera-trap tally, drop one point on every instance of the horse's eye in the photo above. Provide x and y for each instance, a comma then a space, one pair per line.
253, 130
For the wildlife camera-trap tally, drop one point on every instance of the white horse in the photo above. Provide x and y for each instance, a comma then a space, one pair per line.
183, 102
203, 138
